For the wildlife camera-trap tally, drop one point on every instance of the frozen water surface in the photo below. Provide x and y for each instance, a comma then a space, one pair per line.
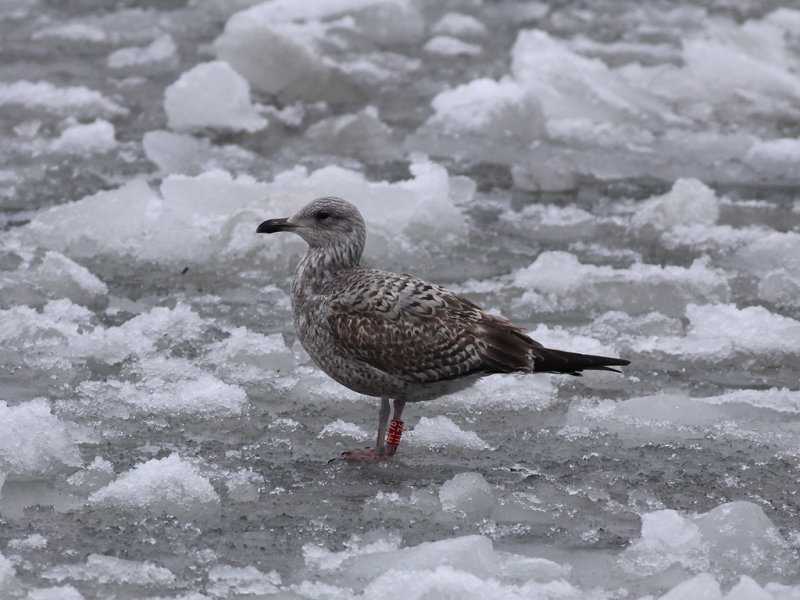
618, 177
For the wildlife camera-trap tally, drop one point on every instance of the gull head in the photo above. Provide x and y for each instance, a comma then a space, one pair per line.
324, 222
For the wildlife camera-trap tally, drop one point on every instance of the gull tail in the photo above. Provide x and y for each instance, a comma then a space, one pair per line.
508, 349
548, 360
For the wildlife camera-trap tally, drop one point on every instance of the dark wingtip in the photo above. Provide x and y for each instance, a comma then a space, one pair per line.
273, 225
571, 363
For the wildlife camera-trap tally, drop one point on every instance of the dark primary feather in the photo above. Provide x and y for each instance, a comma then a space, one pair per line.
572, 363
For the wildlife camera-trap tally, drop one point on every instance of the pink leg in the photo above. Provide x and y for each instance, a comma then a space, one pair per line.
379, 452
397, 422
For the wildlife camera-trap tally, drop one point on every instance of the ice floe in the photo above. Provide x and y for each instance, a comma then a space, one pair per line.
559, 281
445, 45
33, 442
106, 569
722, 332
78, 101
211, 95
88, 138
460, 25
612, 121
733, 539
161, 49
208, 218
441, 432
617, 182
172, 484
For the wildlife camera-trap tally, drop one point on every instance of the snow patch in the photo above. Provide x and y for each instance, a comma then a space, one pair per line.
172, 485
89, 138
441, 432
78, 101
469, 495
444, 45
161, 49
33, 442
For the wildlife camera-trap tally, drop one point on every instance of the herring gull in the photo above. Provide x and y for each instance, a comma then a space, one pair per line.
394, 335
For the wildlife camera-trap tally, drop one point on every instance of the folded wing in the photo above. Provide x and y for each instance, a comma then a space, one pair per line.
424, 333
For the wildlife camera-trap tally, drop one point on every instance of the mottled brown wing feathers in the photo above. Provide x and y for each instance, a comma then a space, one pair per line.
415, 348
422, 332
506, 347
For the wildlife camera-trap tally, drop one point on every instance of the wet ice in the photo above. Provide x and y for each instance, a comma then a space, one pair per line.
211, 95
618, 181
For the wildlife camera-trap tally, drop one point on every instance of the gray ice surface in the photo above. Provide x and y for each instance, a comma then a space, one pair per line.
618, 177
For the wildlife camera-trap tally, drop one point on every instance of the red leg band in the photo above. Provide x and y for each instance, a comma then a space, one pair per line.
394, 433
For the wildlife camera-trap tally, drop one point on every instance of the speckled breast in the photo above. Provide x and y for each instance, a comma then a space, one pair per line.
311, 325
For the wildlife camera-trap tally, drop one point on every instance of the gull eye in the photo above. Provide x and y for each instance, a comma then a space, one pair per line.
322, 215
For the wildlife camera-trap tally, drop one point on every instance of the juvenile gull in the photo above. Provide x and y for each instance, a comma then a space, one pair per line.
393, 335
